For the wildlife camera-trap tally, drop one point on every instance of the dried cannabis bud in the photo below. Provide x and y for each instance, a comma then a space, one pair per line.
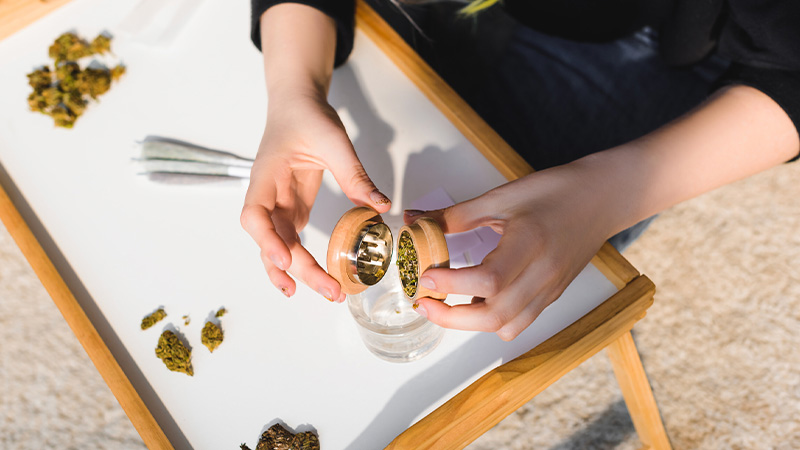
175, 355
69, 47
117, 71
100, 44
211, 336
40, 78
305, 441
152, 319
36, 102
62, 96
276, 438
94, 82
221, 312
407, 264
63, 117
279, 438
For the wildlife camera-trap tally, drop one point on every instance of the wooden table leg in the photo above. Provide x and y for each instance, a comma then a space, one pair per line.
637, 392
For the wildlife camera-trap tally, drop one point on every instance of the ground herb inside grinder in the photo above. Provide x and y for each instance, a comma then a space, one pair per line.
152, 319
175, 355
407, 264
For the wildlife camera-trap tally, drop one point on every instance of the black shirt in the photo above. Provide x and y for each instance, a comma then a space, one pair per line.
760, 37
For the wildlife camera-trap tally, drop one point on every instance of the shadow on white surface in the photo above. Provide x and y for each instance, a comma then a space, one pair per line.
89, 307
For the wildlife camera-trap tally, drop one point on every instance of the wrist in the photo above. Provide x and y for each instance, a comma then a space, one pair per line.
607, 185
295, 91
298, 44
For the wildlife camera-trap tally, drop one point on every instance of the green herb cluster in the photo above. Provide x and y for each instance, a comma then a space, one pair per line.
63, 93
154, 318
211, 336
175, 355
279, 438
408, 264
171, 350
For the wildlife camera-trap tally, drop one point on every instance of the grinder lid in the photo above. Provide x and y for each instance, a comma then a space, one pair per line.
360, 250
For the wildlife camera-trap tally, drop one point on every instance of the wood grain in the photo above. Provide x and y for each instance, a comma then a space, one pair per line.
503, 390
17, 14
637, 393
83, 328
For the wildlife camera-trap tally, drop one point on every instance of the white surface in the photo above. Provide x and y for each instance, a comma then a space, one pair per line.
137, 245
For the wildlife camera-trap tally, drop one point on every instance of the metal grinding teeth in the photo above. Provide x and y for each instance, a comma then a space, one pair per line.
368, 242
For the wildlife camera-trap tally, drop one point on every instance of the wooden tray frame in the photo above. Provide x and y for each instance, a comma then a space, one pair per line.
482, 404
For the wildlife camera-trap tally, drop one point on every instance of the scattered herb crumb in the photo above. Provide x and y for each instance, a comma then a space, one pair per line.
186, 320
154, 318
175, 355
211, 336
221, 312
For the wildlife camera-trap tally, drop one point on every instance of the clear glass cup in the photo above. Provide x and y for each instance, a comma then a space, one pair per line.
388, 324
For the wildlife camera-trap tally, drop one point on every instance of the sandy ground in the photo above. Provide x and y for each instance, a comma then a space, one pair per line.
720, 343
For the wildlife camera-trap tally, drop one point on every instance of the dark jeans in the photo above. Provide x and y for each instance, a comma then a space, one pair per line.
555, 100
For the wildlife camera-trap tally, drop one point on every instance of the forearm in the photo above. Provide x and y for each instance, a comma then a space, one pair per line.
299, 45
738, 132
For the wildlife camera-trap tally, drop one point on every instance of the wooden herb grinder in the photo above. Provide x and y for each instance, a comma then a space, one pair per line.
362, 245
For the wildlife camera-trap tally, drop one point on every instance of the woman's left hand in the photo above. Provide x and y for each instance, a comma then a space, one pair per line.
552, 223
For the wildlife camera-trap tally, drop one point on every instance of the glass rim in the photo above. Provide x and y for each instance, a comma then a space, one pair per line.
390, 330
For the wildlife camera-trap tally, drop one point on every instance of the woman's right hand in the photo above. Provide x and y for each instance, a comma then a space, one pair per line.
303, 136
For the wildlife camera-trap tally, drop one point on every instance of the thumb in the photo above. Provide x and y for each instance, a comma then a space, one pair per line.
458, 218
356, 184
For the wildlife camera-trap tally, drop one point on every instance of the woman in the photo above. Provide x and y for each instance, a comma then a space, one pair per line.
586, 194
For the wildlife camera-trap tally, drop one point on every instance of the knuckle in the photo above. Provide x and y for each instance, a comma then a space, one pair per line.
550, 271
491, 282
248, 215
507, 334
495, 321
453, 214
359, 177
266, 259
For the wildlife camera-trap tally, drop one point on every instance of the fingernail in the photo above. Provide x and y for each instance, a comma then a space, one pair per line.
285, 291
413, 212
427, 282
378, 198
325, 292
277, 261
420, 309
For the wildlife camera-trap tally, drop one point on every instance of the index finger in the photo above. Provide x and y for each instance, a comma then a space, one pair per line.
257, 221
475, 316
498, 270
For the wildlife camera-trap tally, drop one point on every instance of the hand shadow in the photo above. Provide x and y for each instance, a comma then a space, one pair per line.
371, 142
463, 178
